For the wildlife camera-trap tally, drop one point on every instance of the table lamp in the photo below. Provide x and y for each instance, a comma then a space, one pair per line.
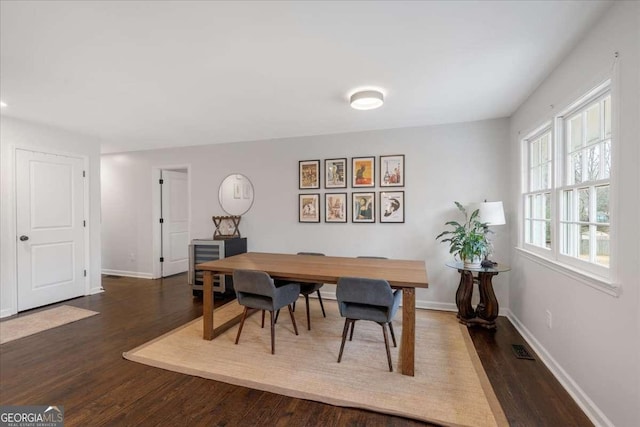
493, 214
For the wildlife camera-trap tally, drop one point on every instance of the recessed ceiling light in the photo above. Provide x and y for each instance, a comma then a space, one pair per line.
367, 100
3, 104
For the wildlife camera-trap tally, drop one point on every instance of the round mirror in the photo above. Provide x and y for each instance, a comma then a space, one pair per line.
236, 194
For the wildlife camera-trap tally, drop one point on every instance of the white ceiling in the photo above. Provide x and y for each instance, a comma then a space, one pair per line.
152, 74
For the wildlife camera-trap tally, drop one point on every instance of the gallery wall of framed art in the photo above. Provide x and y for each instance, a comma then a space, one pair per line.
386, 206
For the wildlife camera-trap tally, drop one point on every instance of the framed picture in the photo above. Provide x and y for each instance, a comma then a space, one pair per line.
308, 174
335, 207
335, 173
363, 207
392, 206
309, 208
363, 172
392, 171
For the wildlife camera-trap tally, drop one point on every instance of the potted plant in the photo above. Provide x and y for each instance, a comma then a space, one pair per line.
467, 241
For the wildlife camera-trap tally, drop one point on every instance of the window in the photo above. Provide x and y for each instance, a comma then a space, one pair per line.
584, 223
567, 185
537, 217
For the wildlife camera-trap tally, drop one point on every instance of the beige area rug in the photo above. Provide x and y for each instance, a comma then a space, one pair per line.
450, 387
41, 321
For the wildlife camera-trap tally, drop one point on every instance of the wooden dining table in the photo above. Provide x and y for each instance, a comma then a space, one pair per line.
406, 275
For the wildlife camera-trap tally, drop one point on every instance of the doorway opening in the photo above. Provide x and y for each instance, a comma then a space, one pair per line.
171, 219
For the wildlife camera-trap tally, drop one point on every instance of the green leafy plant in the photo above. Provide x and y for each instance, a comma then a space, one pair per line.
469, 239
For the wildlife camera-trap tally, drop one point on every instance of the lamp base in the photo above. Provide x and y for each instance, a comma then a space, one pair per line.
488, 263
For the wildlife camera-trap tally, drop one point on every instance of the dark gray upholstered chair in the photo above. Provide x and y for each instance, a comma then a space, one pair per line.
307, 289
373, 257
255, 289
367, 299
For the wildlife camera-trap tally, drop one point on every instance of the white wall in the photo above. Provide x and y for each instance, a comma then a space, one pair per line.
465, 162
594, 346
22, 134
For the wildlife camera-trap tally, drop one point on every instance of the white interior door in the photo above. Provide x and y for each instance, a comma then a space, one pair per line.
50, 226
175, 223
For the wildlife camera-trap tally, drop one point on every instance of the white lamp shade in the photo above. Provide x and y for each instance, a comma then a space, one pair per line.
490, 212
366, 100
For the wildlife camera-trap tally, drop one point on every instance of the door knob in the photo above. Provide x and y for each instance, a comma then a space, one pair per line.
24, 238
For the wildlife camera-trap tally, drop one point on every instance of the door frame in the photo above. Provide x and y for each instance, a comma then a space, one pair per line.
156, 248
13, 206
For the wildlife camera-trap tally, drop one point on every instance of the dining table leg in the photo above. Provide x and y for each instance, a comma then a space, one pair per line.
408, 340
207, 306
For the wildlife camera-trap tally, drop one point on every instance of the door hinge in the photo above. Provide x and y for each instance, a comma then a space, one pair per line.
84, 174
161, 181
161, 259
85, 273
161, 220
84, 223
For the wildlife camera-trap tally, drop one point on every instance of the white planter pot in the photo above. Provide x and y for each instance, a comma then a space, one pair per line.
475, 262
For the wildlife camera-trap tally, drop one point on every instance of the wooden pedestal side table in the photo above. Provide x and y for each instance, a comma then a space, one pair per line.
486, 312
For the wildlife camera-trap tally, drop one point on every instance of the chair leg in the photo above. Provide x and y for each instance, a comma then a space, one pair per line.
386, 344
244, 316
277, 315
353, 326
273, 333
306, 300
294, 306
321, 304
393, 336
293, 319
263, 319
344, 338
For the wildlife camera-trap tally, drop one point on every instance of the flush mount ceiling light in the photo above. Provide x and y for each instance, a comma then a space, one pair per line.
366, 100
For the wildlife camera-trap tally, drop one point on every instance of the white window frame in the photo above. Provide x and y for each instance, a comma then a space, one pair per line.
598, 276
526, 190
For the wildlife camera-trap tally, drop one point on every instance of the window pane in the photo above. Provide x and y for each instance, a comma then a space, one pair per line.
602, 245
547, 235
547, 205
568, 232
538, 208
545, 170
576, 168
583, 204
602, 204
535, 153
575, 133
545, 148
527, 231
593, 163
567, 211
593, 124
584, 242
527, 206
607, 117
606, 148
535, 178
538, 233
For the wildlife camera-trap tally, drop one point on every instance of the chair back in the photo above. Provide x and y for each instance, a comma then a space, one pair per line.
372, 257
311, 253
359, 290
253, 282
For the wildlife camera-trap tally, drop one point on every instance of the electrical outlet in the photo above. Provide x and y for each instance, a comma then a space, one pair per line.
549, 323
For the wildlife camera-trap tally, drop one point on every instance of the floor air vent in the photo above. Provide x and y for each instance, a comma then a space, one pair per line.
521, 352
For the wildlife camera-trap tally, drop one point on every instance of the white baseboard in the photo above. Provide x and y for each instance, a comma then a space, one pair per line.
136, 274
94, 291
590, 409
7, 312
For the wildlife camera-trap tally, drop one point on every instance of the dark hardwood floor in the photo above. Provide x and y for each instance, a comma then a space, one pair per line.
80, 366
